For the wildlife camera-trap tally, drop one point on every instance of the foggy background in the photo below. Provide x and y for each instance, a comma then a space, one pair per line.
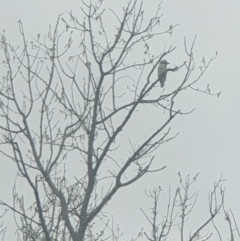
208, 141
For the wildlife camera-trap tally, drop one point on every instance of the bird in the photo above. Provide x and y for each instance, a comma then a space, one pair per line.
162, 72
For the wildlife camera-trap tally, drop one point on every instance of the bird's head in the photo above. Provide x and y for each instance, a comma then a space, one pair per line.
164, 62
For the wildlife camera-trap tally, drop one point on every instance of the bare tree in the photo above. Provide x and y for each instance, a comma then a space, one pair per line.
67, 99
180, 208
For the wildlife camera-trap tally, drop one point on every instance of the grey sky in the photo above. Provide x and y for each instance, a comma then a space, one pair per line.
209, 138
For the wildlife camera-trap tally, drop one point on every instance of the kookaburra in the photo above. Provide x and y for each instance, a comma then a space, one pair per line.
162, 72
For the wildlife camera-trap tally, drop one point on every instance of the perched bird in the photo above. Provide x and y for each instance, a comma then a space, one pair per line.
162, 72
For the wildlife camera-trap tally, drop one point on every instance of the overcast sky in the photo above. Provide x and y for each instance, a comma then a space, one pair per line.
208, 140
